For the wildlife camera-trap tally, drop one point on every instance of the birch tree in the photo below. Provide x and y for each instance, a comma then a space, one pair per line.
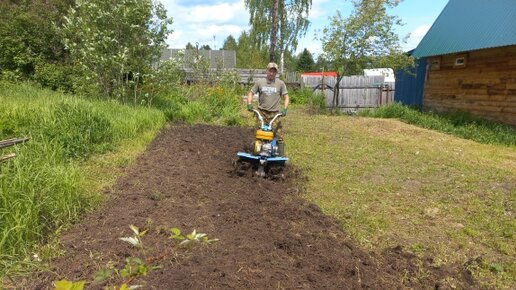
278, 23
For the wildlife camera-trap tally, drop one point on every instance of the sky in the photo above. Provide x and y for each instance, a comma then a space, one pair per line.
212, 21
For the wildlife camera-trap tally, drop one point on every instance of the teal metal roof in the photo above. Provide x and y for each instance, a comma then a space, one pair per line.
466, 25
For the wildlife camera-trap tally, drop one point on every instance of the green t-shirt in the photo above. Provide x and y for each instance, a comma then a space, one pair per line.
269, 94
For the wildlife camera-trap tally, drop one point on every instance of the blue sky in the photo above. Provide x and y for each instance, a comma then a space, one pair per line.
211, 21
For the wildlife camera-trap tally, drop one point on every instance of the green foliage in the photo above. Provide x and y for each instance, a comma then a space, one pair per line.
249, 53
367, 39
166, 79
135, 240
315, 103
230, 43
175, 234
69, 285
114, 45
283, 32
134, 267
193, 237
460, 124
103, 275
55, 76
79, 130
203, 103
305, 63
30, 47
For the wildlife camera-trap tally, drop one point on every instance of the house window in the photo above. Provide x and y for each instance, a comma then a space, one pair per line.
460, 61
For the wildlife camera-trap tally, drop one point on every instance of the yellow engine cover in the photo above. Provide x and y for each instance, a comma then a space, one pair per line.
264, 135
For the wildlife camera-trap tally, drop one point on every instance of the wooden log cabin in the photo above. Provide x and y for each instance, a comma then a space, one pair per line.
471, 59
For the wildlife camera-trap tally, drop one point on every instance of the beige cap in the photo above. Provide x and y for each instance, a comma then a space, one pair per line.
272, 65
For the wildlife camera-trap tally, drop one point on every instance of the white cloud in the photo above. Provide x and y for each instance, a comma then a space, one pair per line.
415, 36
220, 13
319, 9
205, 22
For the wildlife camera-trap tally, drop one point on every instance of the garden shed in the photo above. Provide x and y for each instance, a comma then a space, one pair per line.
409, 83
470, 53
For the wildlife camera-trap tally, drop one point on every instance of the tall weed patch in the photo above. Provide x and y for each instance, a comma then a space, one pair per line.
43, 187
202, 103
315, 103
460, 124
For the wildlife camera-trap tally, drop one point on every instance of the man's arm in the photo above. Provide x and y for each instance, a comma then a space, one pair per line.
285, 100
250, 97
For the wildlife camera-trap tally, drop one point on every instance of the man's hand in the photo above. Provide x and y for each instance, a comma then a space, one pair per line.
250, 107
284, 112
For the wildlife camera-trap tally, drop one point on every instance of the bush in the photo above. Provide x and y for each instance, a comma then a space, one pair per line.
54, 76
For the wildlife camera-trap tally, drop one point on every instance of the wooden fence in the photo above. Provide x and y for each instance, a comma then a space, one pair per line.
245, 76
355, 92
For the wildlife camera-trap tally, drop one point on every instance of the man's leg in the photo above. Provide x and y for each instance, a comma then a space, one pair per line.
278, 132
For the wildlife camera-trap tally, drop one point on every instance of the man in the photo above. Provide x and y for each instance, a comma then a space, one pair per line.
270, 92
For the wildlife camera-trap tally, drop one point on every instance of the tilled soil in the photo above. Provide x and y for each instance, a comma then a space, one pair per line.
268, 236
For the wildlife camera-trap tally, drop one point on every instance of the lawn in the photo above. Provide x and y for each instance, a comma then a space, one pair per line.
394, 184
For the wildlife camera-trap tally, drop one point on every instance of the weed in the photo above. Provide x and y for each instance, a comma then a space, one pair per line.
69, 285
157, 196
134, 267
135, 240
192, 237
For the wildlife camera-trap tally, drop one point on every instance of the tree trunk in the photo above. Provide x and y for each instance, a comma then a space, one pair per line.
336, 91
274, 32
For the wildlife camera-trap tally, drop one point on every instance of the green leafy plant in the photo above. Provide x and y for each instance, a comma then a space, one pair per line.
176, 234
69, 285
134, 267
103, 274
189, 238
136, 239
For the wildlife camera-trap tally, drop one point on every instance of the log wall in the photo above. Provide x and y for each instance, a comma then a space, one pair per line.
481, 82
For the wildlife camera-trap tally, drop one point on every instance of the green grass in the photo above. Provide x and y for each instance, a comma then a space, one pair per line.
459, 124
46, 186
392, 184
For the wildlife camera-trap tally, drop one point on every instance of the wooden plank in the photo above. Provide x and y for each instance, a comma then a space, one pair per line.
6, 157
13, 141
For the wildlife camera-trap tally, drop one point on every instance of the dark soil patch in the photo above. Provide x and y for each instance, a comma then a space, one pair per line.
269, 237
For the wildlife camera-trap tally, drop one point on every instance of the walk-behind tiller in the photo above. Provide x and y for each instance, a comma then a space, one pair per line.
266, 155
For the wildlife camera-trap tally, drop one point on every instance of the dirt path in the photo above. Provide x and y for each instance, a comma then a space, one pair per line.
269, 237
